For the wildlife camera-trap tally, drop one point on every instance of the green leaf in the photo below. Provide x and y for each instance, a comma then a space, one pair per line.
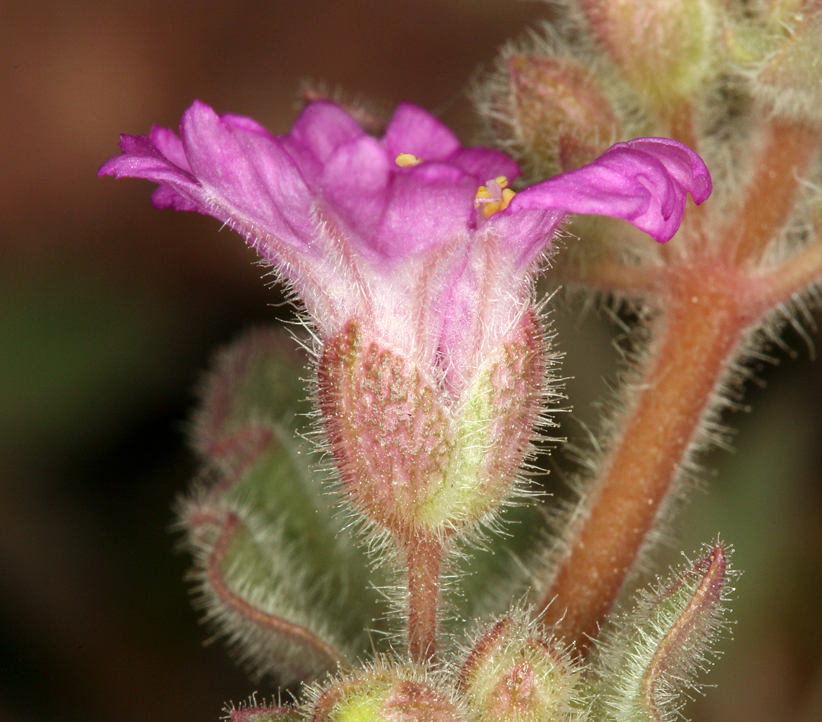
277, 573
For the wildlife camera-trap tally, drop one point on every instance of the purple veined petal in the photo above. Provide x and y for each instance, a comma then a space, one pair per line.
243, 122
310, 168
435, 172
680, 161
355, 183
425, 209
166, 197
485, 163
140, 158
170, 145
322, 128
414, 130
249, 176
526, 233
455, 305
644, 182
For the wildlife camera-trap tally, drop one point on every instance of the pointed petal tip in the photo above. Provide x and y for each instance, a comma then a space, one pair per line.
198, 111
129, 145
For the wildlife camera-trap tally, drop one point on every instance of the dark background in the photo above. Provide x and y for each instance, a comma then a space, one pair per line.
109, 312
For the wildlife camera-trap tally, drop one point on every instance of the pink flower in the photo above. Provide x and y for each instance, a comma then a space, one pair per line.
416, 262
410, 249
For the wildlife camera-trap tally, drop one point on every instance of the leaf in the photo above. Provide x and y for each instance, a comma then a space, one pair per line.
276, 572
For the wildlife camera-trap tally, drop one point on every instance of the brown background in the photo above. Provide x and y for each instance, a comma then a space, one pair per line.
109, 311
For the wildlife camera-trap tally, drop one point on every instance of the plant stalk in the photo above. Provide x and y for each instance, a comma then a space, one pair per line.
697, 337
423, 556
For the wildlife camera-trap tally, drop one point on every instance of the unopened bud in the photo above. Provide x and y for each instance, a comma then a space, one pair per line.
384, 695
663, 47
253, 712
561, 114
655, 653
511, 675
253, 387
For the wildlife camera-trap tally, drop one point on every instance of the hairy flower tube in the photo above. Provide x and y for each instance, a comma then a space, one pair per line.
414, 259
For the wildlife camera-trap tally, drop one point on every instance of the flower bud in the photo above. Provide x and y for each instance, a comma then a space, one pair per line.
653, 655
560, 112
512, 676
412, 458
790, 79
663, 47
271, 565
253, 712
383, 695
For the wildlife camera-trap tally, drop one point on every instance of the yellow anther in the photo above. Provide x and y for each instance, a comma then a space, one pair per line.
507, 195
489, 209
404, 160
494, 197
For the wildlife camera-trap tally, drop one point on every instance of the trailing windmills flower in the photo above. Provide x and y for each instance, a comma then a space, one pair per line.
415, 260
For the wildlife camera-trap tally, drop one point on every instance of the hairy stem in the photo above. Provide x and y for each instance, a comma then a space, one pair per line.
771, 287
696, 338
788, 152
423, 556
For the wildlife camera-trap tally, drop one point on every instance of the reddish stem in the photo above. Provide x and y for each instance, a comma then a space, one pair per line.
708, 305
611, 276
696, 339
787, 154
770, 287
423, 556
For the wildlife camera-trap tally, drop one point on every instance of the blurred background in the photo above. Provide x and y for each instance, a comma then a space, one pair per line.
110, 310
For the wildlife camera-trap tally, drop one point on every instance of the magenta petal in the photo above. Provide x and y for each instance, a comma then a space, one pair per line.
170, 145
527, 233
355, 182
248, 175
414, 130
485, 163
644, 181
426, 208
435, 172
140, 158
243, 122
322, 128
165, 197
687, 168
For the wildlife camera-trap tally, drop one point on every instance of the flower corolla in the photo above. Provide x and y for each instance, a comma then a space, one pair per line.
415, 260
404, 246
